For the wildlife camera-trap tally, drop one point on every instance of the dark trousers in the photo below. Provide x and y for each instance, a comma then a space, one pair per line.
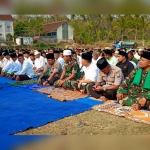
51, 82
110, 94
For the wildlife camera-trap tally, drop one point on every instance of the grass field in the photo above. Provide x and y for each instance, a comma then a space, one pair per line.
91, 123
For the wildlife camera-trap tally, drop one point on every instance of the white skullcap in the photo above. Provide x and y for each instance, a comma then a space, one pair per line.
107, 48
67, 52
137, 56
116, 52
140, 49
36, 52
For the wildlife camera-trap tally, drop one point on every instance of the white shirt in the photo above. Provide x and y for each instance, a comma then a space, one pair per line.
25, 69
8, 65
40, 62
91, 72
3, 63
112, 61
61, 61
14, 67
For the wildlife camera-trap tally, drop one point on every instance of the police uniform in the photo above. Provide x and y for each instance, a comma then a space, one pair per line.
114, 77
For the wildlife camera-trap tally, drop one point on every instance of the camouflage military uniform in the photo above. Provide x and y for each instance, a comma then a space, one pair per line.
69, 68
131, 92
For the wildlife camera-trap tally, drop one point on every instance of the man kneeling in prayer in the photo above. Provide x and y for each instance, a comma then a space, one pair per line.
90, 73
135, 90
51, 72
71, 72
25, 70
109, 79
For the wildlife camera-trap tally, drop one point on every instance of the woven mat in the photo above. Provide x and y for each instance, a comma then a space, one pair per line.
141, 116
19, 83
113, 108
61, 94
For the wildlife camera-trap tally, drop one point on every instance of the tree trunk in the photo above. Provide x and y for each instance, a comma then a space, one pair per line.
143, 40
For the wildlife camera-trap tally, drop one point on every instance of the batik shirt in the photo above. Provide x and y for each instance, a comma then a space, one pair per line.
132, 92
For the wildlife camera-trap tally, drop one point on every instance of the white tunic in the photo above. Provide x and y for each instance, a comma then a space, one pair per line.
40, 62
61, 61
112, 61
91, 72
25, 69
14, 67
8, 65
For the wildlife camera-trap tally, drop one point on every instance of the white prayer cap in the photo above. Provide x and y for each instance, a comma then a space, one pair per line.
107, 48
116, 52
137, 56
67, 52
36, 52
140, 49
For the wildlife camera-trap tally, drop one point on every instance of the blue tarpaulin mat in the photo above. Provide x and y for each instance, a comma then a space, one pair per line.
21, 108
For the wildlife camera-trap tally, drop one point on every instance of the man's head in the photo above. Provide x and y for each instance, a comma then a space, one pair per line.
140, 52
17, 51
95, 55
103, 65
50, 58
67, 55
51, 50
43, 54
86, 59
122, 56
26, 54
1, 56
37, 54
130, 55
74, 54
108, 53
116, 54
32, 57
6, 55
61, 53
78, 51
20, 58
13, 56
145, 61
56, 54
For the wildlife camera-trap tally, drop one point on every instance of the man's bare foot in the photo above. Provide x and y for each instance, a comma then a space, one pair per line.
103, 98
136, 107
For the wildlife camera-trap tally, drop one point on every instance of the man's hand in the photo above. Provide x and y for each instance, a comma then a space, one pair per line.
39, 81
60, 82
142, 102
45, 83
136, 107
99, 88
79, 84
17, 78
119, 96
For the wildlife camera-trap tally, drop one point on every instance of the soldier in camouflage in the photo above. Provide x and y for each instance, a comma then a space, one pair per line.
135, 90
71, 72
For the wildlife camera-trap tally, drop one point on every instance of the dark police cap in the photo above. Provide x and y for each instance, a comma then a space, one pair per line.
122, 53
87, 56
102, 63
146, 55
50, 56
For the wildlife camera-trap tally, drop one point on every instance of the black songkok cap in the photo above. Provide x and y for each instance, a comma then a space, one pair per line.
13, 55
87, 56
50, 56
146, 55
102, 63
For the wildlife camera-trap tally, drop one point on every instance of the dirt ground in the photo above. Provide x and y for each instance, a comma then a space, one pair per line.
91, 123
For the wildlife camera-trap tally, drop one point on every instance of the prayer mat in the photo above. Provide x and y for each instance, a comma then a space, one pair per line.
19, 83
141, 116
113, 108
62, 94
